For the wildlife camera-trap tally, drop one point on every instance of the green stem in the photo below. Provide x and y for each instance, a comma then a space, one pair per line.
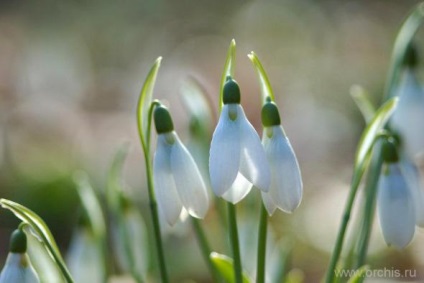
263, 226
342, 231
204, 248
232, 222
369, 208
152, 198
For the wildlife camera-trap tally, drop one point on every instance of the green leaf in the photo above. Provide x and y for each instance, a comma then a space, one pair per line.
91, 205
359, 275
403, 39
146, 98
127, 221
266, 89
361, 98
370, 133
228, 70
41, 260
41, 230
224, 265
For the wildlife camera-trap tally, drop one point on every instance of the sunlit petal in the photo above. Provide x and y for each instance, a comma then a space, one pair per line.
408, 117
253, 163
18, 270
269, 203
286, 182
412, 175
224, 155
238, 190
395, 208
190, 185
166, 193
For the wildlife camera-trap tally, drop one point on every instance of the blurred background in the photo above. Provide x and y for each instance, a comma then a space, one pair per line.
70, 76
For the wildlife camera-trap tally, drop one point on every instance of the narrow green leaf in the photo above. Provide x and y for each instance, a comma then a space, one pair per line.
91, 205
146, 98
266, 89
371, 131
224, 265
361, 98
114, 186
228, 70
43, 263
359, 275
41, 230
403, 39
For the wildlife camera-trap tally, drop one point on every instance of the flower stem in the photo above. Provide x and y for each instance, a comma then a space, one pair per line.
145, 143
205, 248
342, 231
369, 208
263, 226
232, 222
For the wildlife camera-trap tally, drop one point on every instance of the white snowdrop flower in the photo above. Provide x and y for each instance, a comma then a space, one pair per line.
412, 174
395, 204
286, 186
17, 268
237, 159
407, 119
177, 179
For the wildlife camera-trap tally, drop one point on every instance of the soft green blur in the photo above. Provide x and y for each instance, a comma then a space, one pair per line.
71, 71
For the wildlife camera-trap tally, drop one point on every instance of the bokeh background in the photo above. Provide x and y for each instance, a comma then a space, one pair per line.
71, 72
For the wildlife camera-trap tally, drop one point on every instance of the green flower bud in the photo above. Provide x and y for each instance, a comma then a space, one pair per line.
231, 92
270, 114
411, 56
18, 242
389, 151
163, 120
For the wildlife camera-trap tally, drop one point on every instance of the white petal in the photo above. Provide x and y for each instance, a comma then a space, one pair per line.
189, 182
268, 203
409, 114
224, 154
395, 208
412, 174
17, 269
286, 182
165, 190
253, 163
238, 190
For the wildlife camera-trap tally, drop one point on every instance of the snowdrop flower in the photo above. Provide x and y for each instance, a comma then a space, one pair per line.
286, 187
411, 171
178, 183
407, 120
395, 204
18, 267
236, 159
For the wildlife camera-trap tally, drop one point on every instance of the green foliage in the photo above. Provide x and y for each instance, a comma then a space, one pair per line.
228, 70
266, 89
224, 265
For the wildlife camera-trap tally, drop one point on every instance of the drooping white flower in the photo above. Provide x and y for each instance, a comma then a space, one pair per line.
395, 203
286, 186
408, 117
177, 179
412, 174
237, 159
17, 268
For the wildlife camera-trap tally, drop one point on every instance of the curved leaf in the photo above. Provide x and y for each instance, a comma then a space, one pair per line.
403, 39
361, 98
91, 205
266, 89
371, 132
224, 265
146, 98
228, 70
41, 230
